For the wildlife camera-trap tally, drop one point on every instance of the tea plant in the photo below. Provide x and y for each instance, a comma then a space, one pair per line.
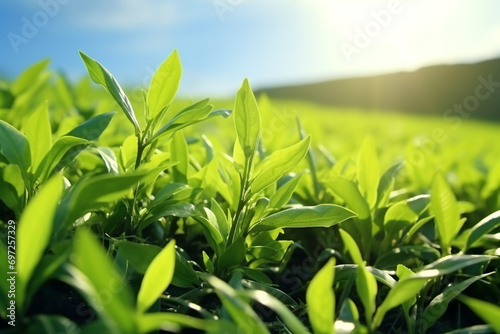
136, 222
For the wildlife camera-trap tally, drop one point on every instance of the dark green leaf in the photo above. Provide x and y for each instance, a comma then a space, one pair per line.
324, 215
138, 255
233, 255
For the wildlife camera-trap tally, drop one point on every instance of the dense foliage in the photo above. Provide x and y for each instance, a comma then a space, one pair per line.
168, 218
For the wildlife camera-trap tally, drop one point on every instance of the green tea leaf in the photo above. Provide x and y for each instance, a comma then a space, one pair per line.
211, 231
164, 85
92, 193
351, 246
15, 147
138, 255
233, 255
289, 319
394, 256
184, 276
451, 263
34, 232
221, 218
278, 163
349, 192
368, 172
62, 146
51, 324
39, 134
445, 208
344, 271
101, 284
241, 312
486, 311
184, 118
366, 284
100, 75
348, 320
12, 188
179, 151
29, 76
93, 128
386, 184
484, 226
437, 307
157, 277
324, 215
247, 119
165, 209
284, 193
321, 299
171, 322
403, 291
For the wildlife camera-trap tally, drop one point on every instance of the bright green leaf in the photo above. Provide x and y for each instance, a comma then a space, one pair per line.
437, 307
39, 134
157, 277
321, 299
247, 119
34, 232
278, 163
62, 146
242, 313
15, 147
164, 85
179, 151
29, 76
348, 191
368, 172
486, 311
102, 76
101, 284
445, 208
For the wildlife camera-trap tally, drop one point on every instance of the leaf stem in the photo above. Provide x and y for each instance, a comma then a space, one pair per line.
242, 201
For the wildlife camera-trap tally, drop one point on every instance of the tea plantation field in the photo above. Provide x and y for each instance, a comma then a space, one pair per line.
127, 211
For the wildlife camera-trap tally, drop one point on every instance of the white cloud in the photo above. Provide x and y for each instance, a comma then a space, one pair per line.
123, 15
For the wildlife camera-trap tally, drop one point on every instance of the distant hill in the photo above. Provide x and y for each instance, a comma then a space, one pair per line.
429, 90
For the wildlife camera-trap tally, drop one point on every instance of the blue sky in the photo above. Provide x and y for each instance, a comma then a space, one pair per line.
220, 42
